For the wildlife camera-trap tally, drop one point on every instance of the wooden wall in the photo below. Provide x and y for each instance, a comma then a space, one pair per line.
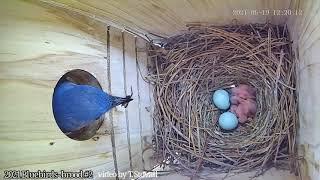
305, 32
41, 43
167, 17
38, 45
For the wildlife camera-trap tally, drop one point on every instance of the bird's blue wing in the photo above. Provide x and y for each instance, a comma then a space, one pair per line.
76, 106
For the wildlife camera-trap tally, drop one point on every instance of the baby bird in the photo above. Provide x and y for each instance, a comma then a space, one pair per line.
243, 102
76, 106
244, 91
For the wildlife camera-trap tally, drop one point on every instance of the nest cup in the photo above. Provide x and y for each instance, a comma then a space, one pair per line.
191, 66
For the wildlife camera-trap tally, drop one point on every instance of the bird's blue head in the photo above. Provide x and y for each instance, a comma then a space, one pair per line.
116, 101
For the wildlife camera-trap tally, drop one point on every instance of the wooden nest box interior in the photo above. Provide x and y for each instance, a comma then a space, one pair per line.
105, 43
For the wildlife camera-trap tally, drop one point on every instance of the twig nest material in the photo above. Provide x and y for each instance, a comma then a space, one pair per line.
205, 59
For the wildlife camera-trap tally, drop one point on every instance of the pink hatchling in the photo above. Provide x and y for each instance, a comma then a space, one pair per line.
243, 102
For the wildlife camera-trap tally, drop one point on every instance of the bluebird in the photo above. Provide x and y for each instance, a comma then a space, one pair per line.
76, 106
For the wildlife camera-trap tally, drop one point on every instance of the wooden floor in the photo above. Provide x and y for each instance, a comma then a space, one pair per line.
40, 44
271, 174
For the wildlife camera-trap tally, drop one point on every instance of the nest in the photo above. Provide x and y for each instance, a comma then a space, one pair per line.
190, 66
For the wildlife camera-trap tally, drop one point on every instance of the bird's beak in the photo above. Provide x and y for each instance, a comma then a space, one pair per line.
126, 103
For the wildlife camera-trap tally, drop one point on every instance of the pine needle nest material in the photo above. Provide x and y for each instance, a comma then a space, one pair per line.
190, 66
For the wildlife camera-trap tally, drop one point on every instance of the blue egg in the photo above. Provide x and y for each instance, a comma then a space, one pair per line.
228, 121
221, 99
